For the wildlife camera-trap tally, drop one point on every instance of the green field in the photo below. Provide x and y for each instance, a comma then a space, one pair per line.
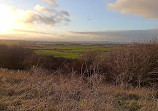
70, 52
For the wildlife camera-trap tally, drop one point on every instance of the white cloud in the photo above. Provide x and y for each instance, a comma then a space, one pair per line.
50, 2
144, 8
42, 9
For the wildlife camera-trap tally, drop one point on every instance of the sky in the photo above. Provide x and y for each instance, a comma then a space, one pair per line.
79, 20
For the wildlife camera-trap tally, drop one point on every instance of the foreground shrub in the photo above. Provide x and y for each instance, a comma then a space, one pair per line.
135, 64
88, 63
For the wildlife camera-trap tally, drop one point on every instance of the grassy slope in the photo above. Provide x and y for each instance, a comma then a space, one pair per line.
70, 52
35, 92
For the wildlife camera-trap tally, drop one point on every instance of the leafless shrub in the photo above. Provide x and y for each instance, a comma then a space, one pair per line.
65, 94
132, 64
88, 63
135, 64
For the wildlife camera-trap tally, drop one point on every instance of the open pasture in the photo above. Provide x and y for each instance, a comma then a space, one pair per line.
70, 52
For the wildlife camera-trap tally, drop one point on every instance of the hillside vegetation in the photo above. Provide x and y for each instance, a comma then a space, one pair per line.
124, 78
37, 91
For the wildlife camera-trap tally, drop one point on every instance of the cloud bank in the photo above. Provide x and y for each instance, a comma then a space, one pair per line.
115, 36
112, 36
143, 8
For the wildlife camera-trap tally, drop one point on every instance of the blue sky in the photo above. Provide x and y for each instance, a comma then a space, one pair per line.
89, 15
101, 18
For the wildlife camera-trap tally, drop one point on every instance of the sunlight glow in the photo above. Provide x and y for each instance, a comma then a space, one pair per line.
7, 19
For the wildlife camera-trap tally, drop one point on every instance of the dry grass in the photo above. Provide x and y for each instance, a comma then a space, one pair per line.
36, 91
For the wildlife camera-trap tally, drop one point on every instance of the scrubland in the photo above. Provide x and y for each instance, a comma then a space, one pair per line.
122, 79
36, 91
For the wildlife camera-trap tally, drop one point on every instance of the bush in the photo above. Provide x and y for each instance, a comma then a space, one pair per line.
132, 64
135, 64
12, 57
47, 62
88, 63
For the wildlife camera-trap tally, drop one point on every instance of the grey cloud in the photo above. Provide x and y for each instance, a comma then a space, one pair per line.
48, 16
117, 36
52, 19
63, 12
